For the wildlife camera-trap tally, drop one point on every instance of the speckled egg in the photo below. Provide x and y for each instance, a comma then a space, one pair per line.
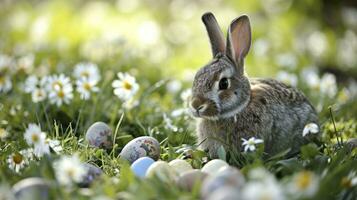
31, 188
93, 172
140, 147
162, 170
226, 176
99, 135
190, 179
213, 166
141, 165
180, 166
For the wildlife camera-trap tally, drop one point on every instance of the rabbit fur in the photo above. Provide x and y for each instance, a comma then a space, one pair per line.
230, 106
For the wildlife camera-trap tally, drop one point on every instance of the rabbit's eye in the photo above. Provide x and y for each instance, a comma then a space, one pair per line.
223, 84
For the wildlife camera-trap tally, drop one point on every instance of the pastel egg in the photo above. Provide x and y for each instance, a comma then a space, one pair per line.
141, 165
31, 188
141, 147
191, 179
180, 166
225, 193
99, 135
161, 170
226, 176
93, 172
213, 166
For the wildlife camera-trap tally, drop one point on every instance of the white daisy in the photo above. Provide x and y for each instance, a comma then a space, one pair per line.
85, 86
265, 189
33, 135
5, 62
310, 128
41, 148
287, 78
89, 71
5, 83
59, 89
69, 170
30, 84
350, 180
18, 160
3, 133
55, 145
186, 95
287, 60
168, 124
250, 143
311, 77
125, 87
303, 184
131, 103
328, 85
174, 86
25, 63
38, 95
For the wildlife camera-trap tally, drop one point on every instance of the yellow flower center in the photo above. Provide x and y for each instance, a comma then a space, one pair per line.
85, 74
70, 172
346, 182
60, 94
127, 85
87, 86
17, 158
35, 138
40, 94
303, 180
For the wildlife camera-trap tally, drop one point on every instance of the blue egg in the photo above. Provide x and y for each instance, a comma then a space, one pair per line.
141, 165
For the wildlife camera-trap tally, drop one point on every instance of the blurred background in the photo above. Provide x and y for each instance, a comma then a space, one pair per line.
311, 44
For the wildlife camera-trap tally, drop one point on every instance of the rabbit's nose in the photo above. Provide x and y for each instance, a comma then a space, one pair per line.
198, 105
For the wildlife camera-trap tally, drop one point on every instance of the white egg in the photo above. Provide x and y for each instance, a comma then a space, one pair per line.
191, 179
180, 166
213, 166
225, 193
99, 135
162, 170
31, 188
141, 147
225, 177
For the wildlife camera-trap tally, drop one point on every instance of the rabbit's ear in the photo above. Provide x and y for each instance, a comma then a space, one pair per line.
239, 40
215, 34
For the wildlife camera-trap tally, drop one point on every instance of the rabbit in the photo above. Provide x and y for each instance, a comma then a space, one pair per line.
230, 106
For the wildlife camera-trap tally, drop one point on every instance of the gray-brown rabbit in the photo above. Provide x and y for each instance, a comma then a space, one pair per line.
230, 106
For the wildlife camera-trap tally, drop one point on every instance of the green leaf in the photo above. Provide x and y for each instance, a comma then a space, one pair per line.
309, 151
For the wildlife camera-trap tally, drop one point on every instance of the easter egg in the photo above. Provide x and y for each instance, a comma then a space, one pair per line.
226, 176
141, 165
161, 170
180, 166
93, 172
140, 147
225, 193
99, 135
190, 179
213, 166
31, 188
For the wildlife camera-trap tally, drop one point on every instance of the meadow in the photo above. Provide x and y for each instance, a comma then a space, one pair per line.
65, 65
